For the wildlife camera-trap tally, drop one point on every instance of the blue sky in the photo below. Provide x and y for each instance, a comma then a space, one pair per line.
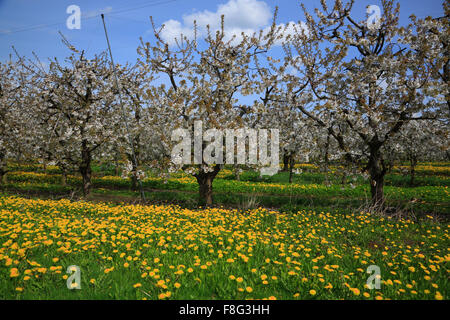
33, 25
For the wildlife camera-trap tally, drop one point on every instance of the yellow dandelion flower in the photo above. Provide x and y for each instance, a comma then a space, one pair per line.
14, 272
355, 291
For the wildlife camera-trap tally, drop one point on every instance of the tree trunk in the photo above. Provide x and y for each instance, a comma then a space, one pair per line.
135, 160
413, 163
376, 190
205, 188
237, 172
135, 164
3, 179
205, 180
116, 163
327, 159
85, 168
86, 174
134, 180
344, 178
291, 167
3, 168
64, 178
377, 172
285, 163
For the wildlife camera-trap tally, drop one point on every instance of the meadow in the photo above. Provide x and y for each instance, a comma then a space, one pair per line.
428, 195
265, 238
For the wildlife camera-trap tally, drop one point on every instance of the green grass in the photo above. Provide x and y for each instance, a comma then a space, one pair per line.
273, 192
298, 233
294, 252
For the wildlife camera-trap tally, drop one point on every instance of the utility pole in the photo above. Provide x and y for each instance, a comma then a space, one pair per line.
124, 118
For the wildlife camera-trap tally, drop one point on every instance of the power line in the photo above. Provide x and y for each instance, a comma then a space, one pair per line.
40, 26
113, 12
142, 6
121, 18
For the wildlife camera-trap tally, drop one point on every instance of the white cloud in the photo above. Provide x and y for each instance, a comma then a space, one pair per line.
246, 16
174, 29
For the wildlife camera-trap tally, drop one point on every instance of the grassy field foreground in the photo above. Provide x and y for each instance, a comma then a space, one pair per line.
168, 252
